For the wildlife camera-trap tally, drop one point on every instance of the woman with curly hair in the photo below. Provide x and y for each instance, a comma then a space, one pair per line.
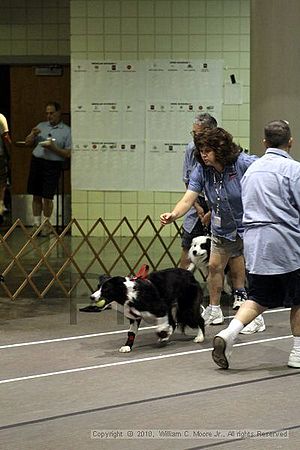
222, 164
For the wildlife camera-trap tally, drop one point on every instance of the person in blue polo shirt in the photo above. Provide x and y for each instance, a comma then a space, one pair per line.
222, 165
52, 141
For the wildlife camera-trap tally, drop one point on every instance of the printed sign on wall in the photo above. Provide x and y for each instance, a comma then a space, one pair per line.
131, 120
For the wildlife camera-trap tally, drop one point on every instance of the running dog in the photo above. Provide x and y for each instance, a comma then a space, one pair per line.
166, 298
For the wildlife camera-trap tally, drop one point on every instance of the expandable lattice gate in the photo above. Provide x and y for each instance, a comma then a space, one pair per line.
65, 266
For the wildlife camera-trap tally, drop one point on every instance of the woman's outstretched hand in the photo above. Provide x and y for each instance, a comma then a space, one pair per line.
166, 218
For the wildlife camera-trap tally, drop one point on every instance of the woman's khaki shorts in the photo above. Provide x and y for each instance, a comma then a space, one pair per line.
223, 246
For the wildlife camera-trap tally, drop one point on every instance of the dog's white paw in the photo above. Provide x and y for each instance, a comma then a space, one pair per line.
163, 340
199, 337
164, 335
125, 349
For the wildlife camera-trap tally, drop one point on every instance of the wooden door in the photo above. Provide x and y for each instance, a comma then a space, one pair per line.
29, 95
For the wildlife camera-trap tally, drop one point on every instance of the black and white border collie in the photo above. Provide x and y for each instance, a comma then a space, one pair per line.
167, 298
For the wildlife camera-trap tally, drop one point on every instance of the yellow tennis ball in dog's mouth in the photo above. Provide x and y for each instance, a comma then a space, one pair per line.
100, 303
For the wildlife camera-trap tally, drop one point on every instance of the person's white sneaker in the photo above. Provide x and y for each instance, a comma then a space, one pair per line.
239, 297
256, 326
206, 312
212, 316
294, 359
237, 303
223, 345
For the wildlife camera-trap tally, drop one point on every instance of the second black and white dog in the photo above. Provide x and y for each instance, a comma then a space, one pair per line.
167, 298
199, 254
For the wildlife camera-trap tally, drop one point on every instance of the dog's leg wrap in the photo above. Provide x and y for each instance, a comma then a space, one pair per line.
129, 343
130, 338
134, 325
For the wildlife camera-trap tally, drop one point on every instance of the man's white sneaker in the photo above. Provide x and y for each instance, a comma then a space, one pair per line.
223, 344
256, 326
213, 316
294, 359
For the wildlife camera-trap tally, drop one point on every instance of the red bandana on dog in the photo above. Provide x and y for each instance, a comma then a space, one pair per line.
142, 273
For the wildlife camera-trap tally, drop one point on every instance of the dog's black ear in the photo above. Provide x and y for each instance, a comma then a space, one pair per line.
208, 246
103, 278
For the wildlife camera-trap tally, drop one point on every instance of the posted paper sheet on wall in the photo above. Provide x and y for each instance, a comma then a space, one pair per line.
131, 120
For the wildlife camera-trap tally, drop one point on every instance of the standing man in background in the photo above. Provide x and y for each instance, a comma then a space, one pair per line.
52, 140
198, 216
5, 151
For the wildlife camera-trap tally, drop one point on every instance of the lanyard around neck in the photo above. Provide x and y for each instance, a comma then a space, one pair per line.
218, 187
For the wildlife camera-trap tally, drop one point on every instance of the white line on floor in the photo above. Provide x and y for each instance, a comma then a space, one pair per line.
70, 338
105, 333
133, 361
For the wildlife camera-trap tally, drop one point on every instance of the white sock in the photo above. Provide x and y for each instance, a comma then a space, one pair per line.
235, 327
297, 343
215, 307
37, 220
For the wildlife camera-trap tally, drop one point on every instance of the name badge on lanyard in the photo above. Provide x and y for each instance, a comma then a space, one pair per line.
218, 187
217, 221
